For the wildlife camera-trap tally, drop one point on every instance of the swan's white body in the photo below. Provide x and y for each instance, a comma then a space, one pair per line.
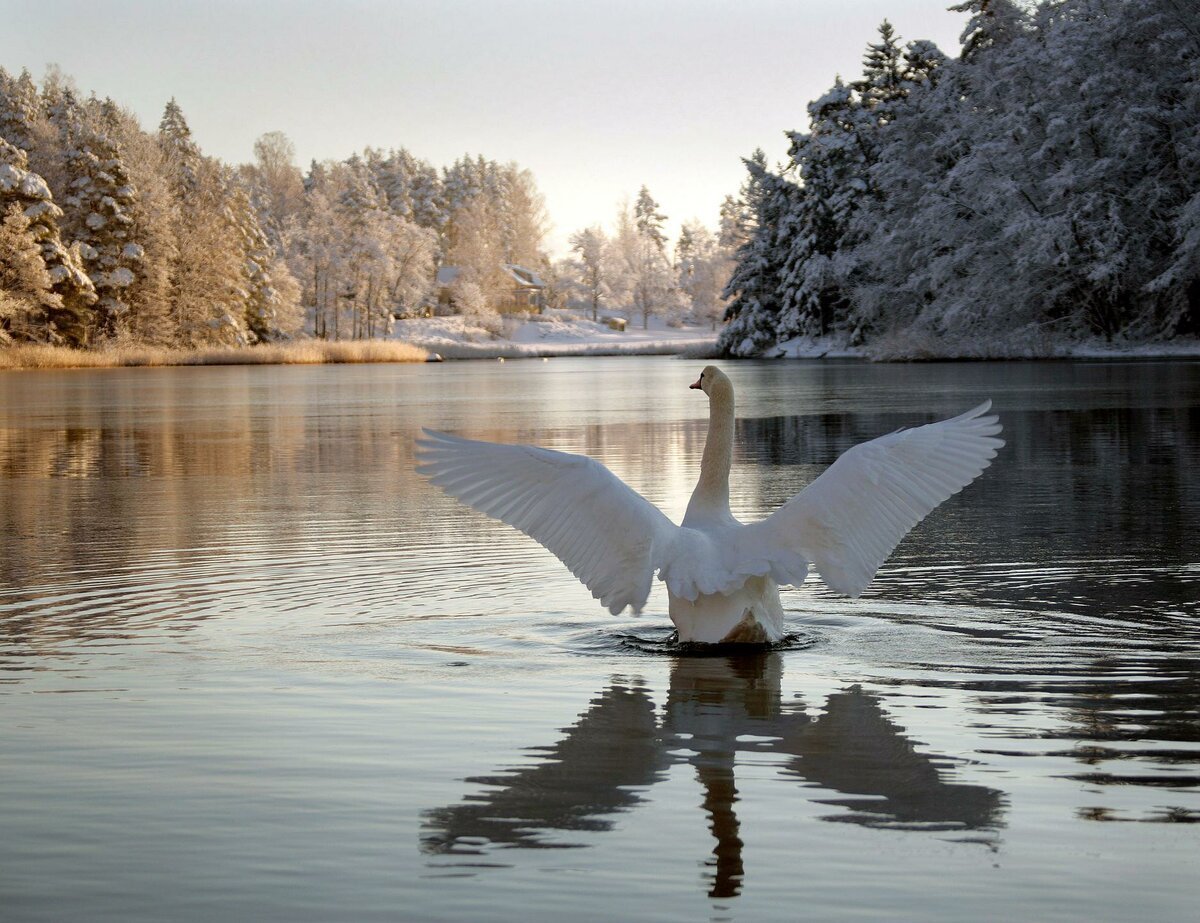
722, 576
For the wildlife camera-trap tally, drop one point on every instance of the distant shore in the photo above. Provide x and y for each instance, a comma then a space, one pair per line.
434, 340
553, 334
931, 350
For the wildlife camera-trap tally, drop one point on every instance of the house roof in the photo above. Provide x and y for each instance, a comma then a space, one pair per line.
524, 276
447, 275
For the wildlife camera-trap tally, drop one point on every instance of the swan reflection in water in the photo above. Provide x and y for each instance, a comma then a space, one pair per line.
718, 707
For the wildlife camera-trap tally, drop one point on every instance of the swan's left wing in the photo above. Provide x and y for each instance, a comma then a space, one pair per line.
849, 519
608, 535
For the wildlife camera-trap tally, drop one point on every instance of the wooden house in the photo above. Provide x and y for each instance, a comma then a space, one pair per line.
527, 295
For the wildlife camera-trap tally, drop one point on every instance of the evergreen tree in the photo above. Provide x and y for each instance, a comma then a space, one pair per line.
1039, 188
649, 220
208, 274
260, 297
98, 204
66, 316
922, 59
833, 161
149, 298
754, 288
733, 225
685, 258
26, 300
992, 23
20, 108
884, 70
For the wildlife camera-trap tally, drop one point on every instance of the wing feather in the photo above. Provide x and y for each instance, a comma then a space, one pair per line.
851, 518
606, 534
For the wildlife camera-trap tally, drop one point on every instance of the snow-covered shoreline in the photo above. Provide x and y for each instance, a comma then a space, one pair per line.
558, 334
549, 335
808, 348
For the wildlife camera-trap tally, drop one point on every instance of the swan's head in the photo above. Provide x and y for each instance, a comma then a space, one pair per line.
713, 382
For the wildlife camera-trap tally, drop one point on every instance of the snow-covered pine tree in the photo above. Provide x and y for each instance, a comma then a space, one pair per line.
462, 182
65, 318
149, 298
1113, 147
20, 108
931, 242
99, 205
753, 290
733, 224
833, 161
26, 300
260, 298
922, 58
883, 79
425, 196
836, 161
208, 274
649, 220
685, 259
1039, 192
392, 174
1170, 32
991, 23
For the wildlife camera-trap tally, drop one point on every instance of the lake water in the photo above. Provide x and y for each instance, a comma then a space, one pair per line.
252, 667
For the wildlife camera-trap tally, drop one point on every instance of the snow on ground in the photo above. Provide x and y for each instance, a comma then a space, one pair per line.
927, 349
1172, 349
555, 333
567, 333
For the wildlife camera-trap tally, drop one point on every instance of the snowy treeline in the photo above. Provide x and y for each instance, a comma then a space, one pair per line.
1042, 189
112, 234
635, 271
364, 235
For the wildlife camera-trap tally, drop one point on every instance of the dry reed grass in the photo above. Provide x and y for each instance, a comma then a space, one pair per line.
306, 352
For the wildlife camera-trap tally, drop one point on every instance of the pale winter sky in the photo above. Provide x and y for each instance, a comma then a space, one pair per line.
596, 98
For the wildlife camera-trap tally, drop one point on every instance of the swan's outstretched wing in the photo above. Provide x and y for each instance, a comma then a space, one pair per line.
849, 519
608, 535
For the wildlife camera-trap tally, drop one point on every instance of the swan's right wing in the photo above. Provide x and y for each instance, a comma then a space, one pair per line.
609, 536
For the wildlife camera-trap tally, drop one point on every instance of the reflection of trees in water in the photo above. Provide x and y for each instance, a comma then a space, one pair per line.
1130, 719
1127, 714
717, 708
1077, 512
116, 505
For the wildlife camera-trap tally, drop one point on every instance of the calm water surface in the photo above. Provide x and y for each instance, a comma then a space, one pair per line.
252, 667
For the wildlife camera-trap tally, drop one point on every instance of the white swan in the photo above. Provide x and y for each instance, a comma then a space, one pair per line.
722, 576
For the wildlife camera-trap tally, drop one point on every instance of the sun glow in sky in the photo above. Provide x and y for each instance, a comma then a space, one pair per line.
596, 98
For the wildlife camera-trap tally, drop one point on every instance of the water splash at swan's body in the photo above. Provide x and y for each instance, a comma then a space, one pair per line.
722, 576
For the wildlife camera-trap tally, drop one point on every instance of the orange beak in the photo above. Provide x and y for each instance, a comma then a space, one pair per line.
696, 384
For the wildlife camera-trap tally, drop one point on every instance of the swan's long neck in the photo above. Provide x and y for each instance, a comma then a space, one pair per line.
711, 496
